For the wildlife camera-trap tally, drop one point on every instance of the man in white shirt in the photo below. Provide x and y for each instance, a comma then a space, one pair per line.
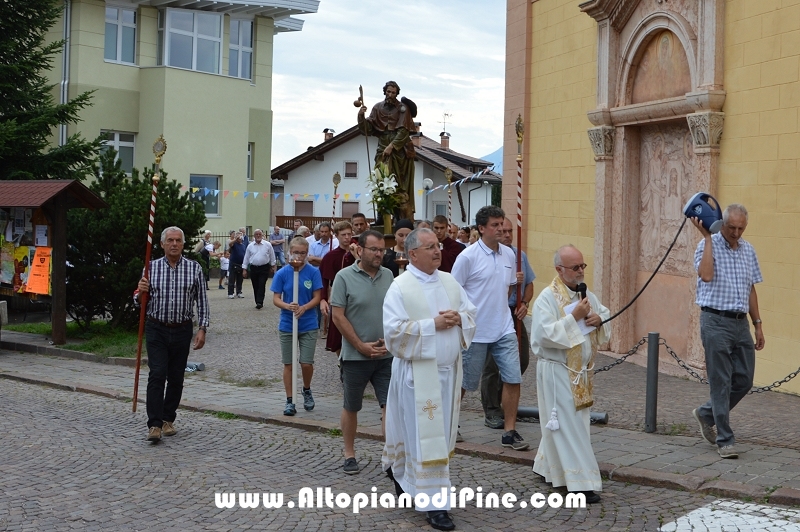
322, 245
260, 258
487, 271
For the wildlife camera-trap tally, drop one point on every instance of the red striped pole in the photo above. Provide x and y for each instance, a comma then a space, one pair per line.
159, 148
337, 178
449, 175
520, 133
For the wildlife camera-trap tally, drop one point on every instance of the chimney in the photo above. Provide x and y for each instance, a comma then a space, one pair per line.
329, 133
445, 136
416, 138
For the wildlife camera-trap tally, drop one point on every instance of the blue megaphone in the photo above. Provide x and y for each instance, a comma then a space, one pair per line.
704, 207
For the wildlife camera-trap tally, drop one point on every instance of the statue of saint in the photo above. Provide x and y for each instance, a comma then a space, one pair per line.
392, 121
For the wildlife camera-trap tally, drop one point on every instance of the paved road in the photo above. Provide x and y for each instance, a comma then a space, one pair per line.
74, 461
242, 346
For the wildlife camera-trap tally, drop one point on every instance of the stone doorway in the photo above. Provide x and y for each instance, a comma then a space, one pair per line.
658, 124
666, 182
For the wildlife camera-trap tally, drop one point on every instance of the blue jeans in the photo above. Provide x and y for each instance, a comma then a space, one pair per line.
730, 364
506, 356
280, 260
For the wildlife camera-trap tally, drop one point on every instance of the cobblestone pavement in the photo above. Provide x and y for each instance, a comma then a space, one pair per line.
75, 461
242, 346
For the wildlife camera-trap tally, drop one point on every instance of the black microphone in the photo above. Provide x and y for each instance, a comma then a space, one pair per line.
582, 289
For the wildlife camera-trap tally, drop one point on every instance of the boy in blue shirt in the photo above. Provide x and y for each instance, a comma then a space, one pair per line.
308, 295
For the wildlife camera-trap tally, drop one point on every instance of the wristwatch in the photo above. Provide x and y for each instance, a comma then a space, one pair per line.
202, 328
756, 322
524, 302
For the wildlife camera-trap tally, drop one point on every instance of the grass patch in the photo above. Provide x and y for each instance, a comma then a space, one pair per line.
334, 432
676, 429
224, 415
99, 339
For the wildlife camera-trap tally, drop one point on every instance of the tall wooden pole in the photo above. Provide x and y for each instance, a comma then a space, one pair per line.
337, 178
449, 175
520, 134
159, 148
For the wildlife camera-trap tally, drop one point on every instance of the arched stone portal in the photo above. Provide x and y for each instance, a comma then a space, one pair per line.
656, 142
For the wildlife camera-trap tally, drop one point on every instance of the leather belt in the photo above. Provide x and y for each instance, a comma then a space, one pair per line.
166, 324
725, 313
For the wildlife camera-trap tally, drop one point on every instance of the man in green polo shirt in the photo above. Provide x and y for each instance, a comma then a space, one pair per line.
357, 310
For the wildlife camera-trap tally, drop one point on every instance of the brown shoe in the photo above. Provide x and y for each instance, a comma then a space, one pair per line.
154, 434
168, 429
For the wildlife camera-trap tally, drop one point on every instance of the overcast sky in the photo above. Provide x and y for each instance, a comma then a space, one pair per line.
446, 55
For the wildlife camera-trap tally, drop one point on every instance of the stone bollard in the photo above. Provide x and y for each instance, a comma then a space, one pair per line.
3, 313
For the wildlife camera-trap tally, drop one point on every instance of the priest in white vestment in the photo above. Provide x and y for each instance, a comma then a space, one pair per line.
427, 322
564, 338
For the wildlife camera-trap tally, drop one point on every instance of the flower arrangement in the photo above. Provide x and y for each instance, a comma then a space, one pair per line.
383, 188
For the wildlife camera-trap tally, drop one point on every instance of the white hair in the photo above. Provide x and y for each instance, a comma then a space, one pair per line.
734, 208
412, 240
557, 256
172, 228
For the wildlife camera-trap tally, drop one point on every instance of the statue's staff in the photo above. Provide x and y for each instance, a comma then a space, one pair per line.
360, 103
520, 135
159, 148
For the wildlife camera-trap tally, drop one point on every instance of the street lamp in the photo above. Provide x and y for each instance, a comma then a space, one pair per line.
427, 184
336, 180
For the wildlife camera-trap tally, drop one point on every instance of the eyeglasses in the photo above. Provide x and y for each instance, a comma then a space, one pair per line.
377, 250
576, 268
427, 248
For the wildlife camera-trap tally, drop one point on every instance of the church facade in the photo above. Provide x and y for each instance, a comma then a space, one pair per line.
632, 106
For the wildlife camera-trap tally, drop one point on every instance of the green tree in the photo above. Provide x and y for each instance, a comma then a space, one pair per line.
107, 246
28, 112
497, 195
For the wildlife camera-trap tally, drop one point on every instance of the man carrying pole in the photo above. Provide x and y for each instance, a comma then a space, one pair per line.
297, 289
169, 328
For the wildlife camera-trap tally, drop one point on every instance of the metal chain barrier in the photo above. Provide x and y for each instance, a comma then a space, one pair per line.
689, 370
681, 363
620, 360
697, 376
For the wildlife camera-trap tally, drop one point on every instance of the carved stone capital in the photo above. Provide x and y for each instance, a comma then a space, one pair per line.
706, 130
602, 140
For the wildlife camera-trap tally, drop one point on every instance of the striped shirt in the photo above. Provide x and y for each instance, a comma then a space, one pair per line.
735, 273
173, 291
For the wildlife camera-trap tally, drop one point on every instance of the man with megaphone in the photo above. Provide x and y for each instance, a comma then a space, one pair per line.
727, 272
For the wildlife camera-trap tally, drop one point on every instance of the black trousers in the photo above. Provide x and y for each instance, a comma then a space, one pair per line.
258, 275
235, 279
491, 384
167, 353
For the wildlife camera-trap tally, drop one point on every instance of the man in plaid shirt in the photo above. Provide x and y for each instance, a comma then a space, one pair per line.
176, 284
728, 270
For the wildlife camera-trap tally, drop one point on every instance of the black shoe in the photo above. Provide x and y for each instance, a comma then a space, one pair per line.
494, 422
350, 466
591, 497
397, 488
440, 520
514, 440
259, 307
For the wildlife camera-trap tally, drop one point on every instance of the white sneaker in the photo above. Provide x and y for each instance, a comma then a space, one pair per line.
240, 296
231, 296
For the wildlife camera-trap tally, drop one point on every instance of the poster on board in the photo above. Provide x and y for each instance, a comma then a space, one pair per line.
39, 276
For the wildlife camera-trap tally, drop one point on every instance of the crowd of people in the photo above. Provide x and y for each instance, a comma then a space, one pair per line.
433, 317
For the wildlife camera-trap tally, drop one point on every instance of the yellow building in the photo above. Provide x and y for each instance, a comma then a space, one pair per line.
198, 72
632, 106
